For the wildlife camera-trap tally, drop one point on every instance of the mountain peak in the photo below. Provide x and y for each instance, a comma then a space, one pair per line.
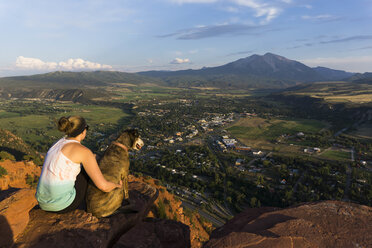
268, 58
273, 66
275, 56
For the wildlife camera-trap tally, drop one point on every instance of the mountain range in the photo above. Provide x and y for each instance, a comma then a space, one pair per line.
268, 71
67, 79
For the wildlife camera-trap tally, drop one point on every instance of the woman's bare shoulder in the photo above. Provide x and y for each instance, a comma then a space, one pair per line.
75, 147
76, 152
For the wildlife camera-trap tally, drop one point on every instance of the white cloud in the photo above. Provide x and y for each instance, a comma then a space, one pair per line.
319, 17
70, 64
34, 64
267, 10
180, 61
351, 64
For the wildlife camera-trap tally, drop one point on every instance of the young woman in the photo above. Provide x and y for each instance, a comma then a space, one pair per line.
63, 183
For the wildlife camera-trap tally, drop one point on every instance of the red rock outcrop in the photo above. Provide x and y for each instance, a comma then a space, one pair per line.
174, 211
17, 147
80, 229
156, 233
17, 174
14, 215
320, 224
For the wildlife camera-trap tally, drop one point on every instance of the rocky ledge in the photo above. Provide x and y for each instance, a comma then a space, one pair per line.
320, 224
81, 229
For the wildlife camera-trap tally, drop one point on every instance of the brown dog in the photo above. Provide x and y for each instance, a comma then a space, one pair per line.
115, 167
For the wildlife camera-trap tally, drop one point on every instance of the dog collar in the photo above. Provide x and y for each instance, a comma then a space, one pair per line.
120, 145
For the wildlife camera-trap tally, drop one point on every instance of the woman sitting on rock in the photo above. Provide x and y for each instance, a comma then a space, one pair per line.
63, 183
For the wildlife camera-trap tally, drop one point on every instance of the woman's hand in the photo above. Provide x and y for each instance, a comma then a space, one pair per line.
111, 186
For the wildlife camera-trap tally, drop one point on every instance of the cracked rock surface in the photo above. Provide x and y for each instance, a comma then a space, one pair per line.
319, 224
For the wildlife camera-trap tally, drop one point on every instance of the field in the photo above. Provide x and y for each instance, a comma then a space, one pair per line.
260, 132
143, 93
339, 92
336, 155
269, 129
364, 131
35, 128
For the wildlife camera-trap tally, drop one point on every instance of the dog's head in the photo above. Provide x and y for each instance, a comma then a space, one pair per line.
131, 139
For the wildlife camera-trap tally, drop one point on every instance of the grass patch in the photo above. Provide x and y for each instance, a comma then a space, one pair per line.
270, 129
96, 114
364, 131
145, 93
39, 130
339, 92
5, 114
336, 155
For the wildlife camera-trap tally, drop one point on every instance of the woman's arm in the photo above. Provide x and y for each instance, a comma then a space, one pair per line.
91, 167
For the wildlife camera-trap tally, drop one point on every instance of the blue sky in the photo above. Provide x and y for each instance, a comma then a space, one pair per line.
136, 35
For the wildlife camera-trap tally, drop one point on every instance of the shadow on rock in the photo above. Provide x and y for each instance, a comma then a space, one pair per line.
6, 193
80, 229
156, 233
6, 234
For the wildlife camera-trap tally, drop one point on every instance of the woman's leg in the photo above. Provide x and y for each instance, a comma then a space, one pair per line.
81, 185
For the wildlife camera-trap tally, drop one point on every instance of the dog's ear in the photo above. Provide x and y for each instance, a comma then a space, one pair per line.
128, 137
135, 133
123, 137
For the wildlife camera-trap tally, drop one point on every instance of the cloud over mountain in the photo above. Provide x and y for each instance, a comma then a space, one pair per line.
180, 61
355, 64
70, 64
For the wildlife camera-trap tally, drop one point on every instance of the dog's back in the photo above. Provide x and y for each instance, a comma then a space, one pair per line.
102, 204
115, 167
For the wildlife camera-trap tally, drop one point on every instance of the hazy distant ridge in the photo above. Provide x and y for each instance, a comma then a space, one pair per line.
64, 79
270, 70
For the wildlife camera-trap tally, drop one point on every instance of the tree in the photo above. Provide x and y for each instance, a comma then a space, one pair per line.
5, 155
260, 180
253, 202
32, 180
266, 163
3, 171
161, 210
